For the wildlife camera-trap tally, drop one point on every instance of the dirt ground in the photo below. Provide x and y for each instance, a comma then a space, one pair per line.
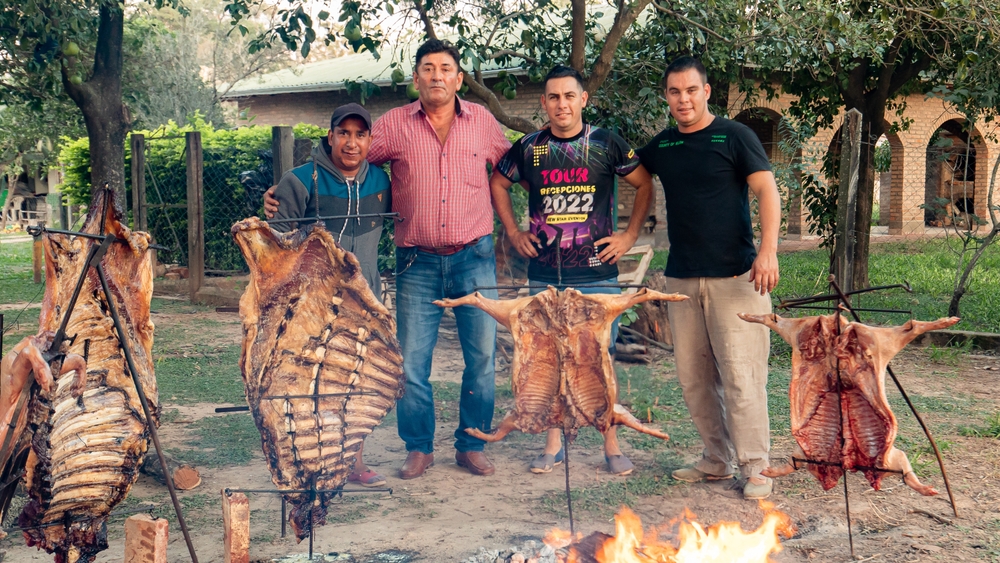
448, 514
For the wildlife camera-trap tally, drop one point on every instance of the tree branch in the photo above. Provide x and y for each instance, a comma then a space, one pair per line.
428, 25
487, 95
502, 52
688, 21
579, 35
602, 66
108, 53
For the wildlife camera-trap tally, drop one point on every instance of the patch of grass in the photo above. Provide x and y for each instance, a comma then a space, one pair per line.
350, 509
607, 497
201, 379
990, 429
950, 354
653, 398
16, 283
921, 454
222, 441
928, 265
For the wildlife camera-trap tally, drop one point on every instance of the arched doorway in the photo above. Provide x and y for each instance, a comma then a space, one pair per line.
955, 175
766, 124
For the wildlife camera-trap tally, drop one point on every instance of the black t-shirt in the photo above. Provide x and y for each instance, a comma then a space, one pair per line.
571, 186
704, 176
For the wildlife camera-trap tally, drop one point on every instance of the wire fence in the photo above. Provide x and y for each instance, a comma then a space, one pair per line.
165, 172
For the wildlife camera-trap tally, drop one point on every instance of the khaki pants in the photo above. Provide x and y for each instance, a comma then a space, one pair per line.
722, 369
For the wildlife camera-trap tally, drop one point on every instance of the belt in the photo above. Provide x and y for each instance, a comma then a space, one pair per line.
448, 250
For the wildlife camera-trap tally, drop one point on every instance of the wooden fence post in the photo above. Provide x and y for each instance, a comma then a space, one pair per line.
196, 214
283, 149
138, 182
847, 200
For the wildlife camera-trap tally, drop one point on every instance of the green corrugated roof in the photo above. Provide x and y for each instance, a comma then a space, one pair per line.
328, 75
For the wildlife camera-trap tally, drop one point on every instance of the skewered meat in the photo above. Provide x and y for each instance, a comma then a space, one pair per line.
562, 375
857, 432
312, 325
87, 441
19, 369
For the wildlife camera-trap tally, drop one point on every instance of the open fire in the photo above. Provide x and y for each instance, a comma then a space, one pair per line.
724, 542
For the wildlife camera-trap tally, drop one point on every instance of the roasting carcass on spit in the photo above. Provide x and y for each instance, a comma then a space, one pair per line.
23, 366
88, 435
562, 375
312, 325
863, 440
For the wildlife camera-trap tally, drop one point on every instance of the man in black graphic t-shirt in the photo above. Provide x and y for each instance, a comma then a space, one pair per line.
707, 165
569, 171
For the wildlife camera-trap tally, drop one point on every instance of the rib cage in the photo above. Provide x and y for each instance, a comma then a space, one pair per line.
562, 375
85, 453
312, 326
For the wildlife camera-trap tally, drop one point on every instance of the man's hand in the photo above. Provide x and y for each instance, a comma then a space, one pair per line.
764, 272
270, 204
618, 244
524, 243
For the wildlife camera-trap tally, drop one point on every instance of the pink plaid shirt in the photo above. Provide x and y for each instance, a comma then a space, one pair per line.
441, 192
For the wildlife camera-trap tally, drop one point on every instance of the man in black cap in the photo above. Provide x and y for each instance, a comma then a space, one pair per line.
340, 177
339, 173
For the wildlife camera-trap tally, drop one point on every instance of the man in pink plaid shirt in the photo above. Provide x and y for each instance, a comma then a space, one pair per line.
440, 149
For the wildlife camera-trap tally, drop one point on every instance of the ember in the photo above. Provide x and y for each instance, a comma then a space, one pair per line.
724, 542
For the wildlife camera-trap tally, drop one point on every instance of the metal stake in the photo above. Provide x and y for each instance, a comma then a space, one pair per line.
113, 311
569, 496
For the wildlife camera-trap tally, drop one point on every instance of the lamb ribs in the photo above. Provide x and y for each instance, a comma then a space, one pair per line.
85, 435
858, 431
562, 375
314, 331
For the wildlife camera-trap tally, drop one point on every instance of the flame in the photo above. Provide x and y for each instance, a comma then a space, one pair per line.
724, 542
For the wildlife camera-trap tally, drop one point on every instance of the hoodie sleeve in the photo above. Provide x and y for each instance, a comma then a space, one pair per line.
292, 198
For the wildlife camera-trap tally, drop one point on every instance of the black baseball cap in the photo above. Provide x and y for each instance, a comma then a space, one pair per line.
348, 110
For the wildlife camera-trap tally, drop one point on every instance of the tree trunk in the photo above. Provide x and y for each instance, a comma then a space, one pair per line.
872, 127
100, 101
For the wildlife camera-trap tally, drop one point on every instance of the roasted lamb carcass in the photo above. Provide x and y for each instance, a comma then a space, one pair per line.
19, 370
311, 325
857, 432
562, 376
88, 436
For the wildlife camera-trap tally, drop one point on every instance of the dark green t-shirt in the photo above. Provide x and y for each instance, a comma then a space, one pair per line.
704, 176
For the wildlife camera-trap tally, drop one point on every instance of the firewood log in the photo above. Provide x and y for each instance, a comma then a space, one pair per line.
185, 476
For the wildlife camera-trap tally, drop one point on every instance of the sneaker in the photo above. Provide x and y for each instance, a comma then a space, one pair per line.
545, 462
755, 491
619, 465
695, 475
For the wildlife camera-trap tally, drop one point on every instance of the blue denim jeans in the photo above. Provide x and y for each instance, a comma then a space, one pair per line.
422, 278
587, 288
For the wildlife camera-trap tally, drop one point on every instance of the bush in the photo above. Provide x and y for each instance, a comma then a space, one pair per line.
226, 153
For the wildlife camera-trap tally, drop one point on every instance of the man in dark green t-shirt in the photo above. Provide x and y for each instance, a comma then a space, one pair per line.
708, 165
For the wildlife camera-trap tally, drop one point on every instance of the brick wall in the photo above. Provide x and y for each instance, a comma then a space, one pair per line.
911, 170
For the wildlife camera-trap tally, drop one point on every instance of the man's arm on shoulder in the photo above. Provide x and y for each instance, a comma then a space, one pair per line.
497, 144
291, 198
384, 141
622, 241
764, 272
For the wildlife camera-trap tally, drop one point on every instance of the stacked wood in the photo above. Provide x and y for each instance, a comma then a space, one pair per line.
653, 321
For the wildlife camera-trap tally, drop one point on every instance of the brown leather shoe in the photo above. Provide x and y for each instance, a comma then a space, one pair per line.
476, 462
415, 465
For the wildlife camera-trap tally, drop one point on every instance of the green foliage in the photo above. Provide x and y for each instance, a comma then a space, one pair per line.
883, 157
226, 153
